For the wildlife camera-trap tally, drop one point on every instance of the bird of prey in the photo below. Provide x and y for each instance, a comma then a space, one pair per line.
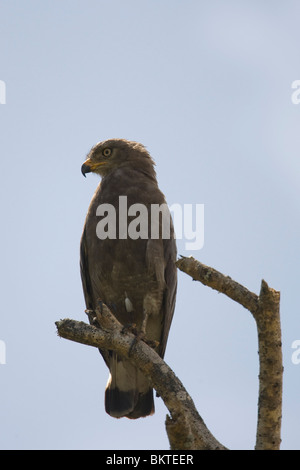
132, 271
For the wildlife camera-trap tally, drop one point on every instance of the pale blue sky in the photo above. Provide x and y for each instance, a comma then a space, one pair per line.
206, 86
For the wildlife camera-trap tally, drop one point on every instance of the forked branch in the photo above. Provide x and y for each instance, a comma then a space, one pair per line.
185, 428
265, 310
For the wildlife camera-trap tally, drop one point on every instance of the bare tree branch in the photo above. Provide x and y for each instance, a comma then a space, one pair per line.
271, 370
185, 428
212, 278
265, 310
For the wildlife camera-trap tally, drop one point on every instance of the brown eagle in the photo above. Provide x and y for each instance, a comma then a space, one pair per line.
128, 263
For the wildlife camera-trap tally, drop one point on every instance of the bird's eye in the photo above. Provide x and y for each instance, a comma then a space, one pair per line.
106, 152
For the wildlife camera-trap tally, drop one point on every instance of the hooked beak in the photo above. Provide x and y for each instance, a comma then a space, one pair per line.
85, 169
89, 166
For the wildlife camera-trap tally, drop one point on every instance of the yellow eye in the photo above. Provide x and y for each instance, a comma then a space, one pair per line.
106, 152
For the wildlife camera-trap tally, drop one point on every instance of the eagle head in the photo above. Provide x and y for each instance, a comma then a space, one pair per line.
111, 154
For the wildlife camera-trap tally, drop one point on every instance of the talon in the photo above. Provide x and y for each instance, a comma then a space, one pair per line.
129, 327
135, 340
89, 312
92, 317
152, 343
141, 336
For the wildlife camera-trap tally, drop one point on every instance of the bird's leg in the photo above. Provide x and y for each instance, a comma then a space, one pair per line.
131, 327
141, 335
91, 316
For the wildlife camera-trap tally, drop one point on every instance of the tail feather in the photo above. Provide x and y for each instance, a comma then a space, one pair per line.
144, 405
128, 393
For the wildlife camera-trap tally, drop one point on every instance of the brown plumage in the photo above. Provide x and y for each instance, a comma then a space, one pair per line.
136, 278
